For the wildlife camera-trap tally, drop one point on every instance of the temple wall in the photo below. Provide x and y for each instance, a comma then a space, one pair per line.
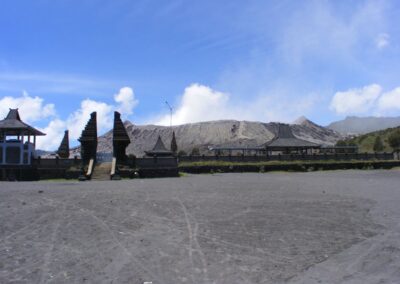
157, 167
57, 163
156, 162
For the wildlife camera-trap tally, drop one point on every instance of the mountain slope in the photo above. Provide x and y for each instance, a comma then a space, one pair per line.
215, 133
361, 125
366, 142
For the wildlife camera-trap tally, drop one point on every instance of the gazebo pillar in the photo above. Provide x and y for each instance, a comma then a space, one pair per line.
4, 152
21, 157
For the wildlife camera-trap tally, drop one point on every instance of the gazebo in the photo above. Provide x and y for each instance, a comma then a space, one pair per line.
286, 142
17, 140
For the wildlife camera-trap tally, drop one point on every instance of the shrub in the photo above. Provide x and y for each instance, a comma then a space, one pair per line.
195, 151
341, 143
182, 153
394, 140
378, 145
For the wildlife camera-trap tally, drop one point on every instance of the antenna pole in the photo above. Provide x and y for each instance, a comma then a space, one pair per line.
170, 113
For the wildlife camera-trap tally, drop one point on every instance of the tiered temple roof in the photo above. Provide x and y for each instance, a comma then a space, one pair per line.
159, 149
285, 139
63, 150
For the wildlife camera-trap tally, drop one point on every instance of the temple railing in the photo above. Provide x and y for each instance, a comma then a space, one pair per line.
113, 166
90, 168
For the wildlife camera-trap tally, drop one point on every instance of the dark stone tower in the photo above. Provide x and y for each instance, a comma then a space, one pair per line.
121, 138
89, 139
63, 150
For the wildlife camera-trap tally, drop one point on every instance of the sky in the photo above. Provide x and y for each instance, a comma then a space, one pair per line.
246, 60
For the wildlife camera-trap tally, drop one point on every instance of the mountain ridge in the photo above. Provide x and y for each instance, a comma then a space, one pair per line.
363, 125
202, 135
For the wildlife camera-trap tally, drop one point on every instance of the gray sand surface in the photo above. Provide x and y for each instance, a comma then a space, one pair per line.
320, 227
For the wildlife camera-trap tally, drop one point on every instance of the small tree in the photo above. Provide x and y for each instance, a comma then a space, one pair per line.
394, 140
195, 151
181, 153
341, 143
378, 145
174, 146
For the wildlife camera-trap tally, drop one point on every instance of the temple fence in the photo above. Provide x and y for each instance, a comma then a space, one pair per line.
292, 157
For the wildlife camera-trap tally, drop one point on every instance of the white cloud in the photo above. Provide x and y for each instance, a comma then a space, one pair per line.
382, 40
77, 120
389, 101
54, 133
126, 99
367, 100
202, 103
32, 108
75, 123
356, 101
320, 30
199, 103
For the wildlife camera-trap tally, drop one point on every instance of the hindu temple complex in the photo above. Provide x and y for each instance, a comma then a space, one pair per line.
19, 161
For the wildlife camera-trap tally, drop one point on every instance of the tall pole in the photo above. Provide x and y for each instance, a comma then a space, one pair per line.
170, 113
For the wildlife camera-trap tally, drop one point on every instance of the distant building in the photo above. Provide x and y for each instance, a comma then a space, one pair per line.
283, 142
286, 142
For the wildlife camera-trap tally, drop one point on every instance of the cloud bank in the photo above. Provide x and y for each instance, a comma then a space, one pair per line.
33, 109
355, 101
202, 103
366, 100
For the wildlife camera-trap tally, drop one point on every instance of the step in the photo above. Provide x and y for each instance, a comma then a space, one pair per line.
102, 171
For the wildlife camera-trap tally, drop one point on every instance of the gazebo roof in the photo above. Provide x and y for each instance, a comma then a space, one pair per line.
13, 125
286, 139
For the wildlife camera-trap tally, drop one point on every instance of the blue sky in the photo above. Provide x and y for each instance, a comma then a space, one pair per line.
251, 60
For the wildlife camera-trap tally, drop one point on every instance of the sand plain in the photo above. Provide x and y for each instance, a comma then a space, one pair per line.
318, 227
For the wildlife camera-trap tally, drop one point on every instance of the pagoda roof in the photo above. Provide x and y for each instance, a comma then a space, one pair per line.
13, 125
159, 149
286, 139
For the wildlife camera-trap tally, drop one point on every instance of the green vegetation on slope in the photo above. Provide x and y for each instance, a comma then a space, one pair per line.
366, 142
